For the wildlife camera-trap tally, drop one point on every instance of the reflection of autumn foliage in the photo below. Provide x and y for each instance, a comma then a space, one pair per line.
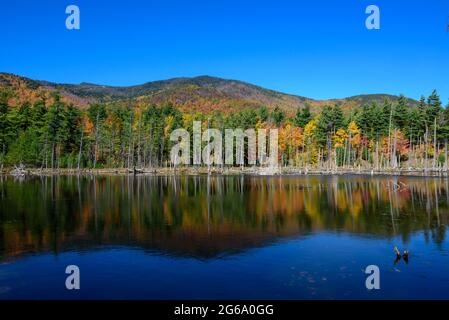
209, 215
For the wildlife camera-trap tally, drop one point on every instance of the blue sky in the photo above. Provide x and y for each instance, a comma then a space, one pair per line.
319, 49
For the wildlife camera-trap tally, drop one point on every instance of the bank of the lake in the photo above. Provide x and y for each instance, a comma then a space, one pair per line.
201, 170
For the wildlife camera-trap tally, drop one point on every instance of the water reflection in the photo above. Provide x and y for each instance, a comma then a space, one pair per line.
206, 217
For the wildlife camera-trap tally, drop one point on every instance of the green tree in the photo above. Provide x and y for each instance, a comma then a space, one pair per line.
303, 116
71, 129
416, 125
54, 123
263, 114
434, 106
97, 114
338, 118
278, 116
401, 114
325, 126
4, 127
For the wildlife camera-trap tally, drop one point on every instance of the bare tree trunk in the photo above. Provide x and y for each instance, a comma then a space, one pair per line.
393, 155
425, 148
335, 160
3, 155
435, 147
151, 147
377, 155
130, 139
303, 154
389, 134
307, 158
349, 150
81, 148
445, 155
52, 155
96, 138
410, 143
138, 142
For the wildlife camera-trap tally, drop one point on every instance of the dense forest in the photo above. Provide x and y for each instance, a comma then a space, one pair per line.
50, 133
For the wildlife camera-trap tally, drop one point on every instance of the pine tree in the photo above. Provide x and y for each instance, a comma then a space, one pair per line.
303, 116
4, 127
434, 110
387, 117
71, 129
338, 118
263, 114
324, 126
97, 114
444, 129
401, 114
54, 123
25, 116
434, 106
278, 116
416, 124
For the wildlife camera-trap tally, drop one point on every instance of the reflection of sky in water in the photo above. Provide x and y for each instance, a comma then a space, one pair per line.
264, 238
325, 265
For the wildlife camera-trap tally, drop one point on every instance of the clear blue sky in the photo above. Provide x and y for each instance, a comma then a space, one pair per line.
319, 49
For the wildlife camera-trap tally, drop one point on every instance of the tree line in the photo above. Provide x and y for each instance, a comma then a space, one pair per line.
54, 134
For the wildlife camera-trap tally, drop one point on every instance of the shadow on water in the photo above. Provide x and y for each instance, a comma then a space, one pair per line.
208, 217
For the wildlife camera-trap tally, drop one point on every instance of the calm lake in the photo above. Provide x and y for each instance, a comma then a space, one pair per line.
223, 237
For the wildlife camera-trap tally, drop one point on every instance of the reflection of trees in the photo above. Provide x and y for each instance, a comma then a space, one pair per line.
212, 215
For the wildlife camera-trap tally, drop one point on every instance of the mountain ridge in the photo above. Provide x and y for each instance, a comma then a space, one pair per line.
195, 94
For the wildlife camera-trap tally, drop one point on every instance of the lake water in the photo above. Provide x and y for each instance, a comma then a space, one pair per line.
223, 237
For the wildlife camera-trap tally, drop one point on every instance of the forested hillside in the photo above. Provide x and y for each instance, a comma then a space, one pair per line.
46, 125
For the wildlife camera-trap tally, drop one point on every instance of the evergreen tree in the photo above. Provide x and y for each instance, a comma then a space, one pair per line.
338, 118
416, 126
153, 122
401, 114
4, 127
444, 129
97, 114
434, 106
54, 123
248, 119
434, 110
278, 116
422, 109
387, 117
263, 114
325, 126
71, 130
303, 116
25, 116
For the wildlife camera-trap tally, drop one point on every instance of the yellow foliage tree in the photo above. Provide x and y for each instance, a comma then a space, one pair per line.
309, 131
340, 138
355, 134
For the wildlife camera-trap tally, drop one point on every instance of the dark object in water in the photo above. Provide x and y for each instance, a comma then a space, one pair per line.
405, 256
398, 253
135, 171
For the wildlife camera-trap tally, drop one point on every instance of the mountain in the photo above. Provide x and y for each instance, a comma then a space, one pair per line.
198, 94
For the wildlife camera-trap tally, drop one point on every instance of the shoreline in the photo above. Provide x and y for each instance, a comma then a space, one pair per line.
230, 171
